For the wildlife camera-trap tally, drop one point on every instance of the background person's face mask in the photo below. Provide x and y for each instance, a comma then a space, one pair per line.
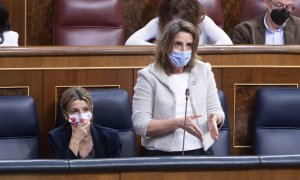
279, 16
180, 58
77, 119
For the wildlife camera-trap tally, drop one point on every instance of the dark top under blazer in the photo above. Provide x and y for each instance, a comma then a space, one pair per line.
106, 142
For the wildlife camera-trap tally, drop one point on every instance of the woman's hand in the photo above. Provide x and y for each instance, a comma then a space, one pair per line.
158, 127
79, 132
192, 127
212, 126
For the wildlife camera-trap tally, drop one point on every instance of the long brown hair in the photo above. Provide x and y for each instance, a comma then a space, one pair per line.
188, 10
165, 44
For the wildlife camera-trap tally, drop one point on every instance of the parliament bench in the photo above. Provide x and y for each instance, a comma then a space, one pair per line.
179, 167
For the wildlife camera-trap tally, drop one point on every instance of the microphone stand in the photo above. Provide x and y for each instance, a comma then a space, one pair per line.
187, 94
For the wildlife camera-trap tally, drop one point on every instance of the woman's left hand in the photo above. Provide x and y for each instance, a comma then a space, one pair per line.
212, 126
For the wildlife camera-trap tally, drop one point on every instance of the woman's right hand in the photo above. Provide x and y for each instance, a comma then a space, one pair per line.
80, 131
192, 127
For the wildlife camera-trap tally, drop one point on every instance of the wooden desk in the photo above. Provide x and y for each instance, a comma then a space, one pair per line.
159, 168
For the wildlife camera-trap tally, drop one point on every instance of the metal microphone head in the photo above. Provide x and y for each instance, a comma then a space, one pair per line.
187, 93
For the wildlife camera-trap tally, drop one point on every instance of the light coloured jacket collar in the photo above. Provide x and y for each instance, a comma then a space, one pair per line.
163, 78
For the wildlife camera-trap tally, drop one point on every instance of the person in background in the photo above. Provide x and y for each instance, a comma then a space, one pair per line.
159, 97
274, 27
7, 37
81, 138
188, 10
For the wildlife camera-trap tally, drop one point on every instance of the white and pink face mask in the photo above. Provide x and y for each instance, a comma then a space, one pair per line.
77, 119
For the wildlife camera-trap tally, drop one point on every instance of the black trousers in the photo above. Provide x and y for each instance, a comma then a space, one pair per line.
196, 152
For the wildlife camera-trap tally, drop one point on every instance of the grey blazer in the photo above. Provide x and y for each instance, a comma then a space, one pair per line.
253, 31
153, 99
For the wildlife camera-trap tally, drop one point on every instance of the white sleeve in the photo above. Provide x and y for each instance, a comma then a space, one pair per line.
140, 37
214, 34
10, 38
15, 39
142, 103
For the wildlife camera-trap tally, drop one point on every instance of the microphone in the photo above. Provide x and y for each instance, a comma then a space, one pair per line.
187, 94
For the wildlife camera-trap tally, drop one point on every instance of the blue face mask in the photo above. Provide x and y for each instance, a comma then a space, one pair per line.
180, 58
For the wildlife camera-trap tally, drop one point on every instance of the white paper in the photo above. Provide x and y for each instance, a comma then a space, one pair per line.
207, 141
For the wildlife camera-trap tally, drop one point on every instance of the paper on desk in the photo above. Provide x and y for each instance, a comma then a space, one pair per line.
207, 141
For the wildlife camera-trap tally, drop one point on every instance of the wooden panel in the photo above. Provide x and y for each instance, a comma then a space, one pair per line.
18, 19
89, 176
14, 90
205, 174
143, 175
212, 174
231, 13
39, 22
60, 176
33, 177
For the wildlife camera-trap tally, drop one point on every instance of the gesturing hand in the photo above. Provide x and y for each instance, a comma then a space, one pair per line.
212, 126
191, 126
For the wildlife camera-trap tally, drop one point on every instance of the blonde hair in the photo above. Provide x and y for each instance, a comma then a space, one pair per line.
75, 93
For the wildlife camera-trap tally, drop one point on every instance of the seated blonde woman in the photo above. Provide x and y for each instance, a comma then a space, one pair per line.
81, 138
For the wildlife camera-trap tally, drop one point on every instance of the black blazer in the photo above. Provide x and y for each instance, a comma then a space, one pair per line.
106, 141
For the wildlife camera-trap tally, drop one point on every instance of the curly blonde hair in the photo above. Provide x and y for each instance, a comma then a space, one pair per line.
75, 93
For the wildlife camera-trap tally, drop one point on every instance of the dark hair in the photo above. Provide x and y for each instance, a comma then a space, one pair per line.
188, 10
75, 93
166, 41
4, 22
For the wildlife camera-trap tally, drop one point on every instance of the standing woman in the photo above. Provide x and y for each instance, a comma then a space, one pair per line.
188, 10
159, 97
81, 138
7, 37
